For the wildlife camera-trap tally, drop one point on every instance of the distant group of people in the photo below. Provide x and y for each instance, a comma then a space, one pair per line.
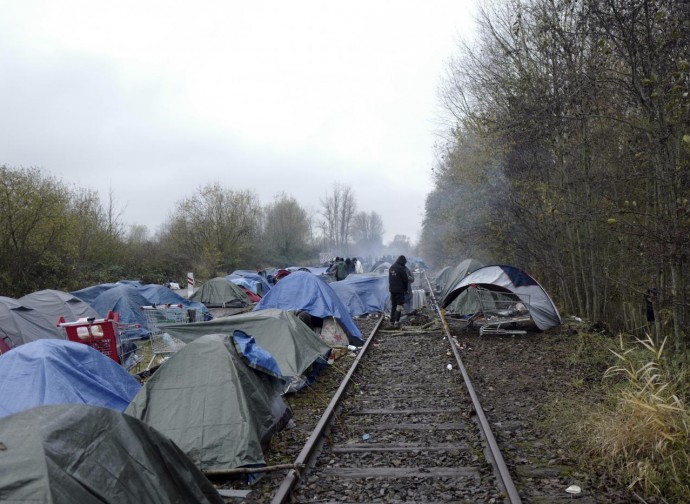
340, 268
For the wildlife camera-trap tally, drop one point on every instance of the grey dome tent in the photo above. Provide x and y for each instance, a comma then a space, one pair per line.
21, 324
510, 279
220, 292
54, 304
457, 274
63, 454
217, 409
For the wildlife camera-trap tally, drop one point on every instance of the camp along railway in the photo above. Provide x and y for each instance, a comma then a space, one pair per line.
405, 425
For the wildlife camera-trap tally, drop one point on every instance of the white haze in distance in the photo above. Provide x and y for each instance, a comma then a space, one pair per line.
152, 99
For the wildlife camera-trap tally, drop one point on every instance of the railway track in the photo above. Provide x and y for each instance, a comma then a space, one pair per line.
403, 427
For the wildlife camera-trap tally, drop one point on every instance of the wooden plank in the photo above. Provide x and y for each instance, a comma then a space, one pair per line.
413, 411
399, 447
412, 426
401, 472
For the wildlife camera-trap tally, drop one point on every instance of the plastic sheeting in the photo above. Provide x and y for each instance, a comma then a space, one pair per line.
259, 284
541, 307
218, 410
363, 294
254, 356
305, 291
90, 455
62, 372
292, 344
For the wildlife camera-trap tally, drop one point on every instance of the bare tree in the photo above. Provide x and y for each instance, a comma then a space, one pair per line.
338, 210
367, 232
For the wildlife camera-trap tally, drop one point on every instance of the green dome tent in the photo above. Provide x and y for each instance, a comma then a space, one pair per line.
221, 293
63, 454
217, 409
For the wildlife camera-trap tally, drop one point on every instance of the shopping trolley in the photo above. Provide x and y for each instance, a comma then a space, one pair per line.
157, 317
500, 309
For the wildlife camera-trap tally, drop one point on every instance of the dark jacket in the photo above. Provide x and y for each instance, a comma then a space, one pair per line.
340, 270
397, 276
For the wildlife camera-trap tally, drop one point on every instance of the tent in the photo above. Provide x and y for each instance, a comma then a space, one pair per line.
160, 295
127, 297
457, 274
381, 268
126, 300
54, 304
89, 294
252, 280
63, 454
441, 278
21, 324
305, 291
217, 409
510, 279
364, 293
62, 372
295, 347
220, 292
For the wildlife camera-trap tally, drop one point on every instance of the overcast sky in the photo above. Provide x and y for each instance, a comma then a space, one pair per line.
153, 99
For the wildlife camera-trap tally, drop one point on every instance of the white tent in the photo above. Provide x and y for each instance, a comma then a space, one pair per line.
508, 278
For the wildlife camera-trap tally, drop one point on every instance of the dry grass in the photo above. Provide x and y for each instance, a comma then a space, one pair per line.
642, 436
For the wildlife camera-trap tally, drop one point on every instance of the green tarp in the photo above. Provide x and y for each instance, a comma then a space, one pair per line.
293, 345
220, 292
218, 410
87, 454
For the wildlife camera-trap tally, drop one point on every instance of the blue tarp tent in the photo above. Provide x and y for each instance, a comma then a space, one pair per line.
363, 294
127, 297
62, 372
159, 295
305, 291
89, 294
253, 281
126, 300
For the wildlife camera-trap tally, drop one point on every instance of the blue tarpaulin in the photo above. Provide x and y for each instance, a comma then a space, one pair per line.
127, 297
304, 291
62, 372
259, 284
255, 356
363, 294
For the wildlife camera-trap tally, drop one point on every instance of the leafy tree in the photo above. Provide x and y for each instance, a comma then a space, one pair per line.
286, 230
216, 228
34, 225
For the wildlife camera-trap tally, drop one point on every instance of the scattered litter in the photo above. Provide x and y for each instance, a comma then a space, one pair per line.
351, 348
449, 367
366, 437
573, 489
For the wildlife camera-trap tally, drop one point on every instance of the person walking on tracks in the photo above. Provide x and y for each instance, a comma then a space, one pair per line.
397, 286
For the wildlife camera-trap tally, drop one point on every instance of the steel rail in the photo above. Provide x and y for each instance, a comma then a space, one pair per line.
501, 469
293, 476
